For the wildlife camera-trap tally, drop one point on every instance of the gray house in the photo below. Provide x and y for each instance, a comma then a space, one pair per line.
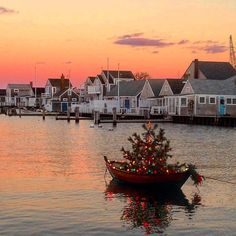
208, 98
209, 70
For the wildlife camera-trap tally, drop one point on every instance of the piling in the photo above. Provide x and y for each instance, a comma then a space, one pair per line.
68, 114
77, 115
96, 117
43, 113
114, 116
20, 112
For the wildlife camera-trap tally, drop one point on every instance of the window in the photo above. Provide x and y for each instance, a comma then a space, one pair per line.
53, 89
65, 99
228, 101
166, 88
212, 100
69, 92
183, 102
74, 99
16, 90
234, 101
202, 100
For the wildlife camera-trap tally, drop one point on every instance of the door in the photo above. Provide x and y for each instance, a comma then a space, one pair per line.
64, 106
221, 107
127, 104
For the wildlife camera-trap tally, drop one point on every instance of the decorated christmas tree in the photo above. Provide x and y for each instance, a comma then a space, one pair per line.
150, 153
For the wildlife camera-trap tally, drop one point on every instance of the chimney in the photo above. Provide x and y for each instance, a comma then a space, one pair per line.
62, 82
196, 69
31, 84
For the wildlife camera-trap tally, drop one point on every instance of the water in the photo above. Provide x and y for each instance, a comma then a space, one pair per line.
52, 181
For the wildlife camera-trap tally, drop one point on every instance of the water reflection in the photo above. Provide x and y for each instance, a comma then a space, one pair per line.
148, 208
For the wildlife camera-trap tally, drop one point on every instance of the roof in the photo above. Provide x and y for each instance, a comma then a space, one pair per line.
19, 86
123, 74
57, 82
130, 88
176, 85
101, 79
216, 70
156, 85
2, 92
92, 78
214, 87
39, 90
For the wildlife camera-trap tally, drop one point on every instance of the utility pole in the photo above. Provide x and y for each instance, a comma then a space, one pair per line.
232, 52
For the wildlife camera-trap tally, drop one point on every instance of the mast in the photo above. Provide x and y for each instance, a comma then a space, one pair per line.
232, 52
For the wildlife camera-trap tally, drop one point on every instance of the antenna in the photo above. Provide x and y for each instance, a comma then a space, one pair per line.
232, 52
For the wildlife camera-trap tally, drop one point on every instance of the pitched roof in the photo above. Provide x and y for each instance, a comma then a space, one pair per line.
156, 85
101, 79
39, 90
214, 87
57, 82
176, 85
216, 70
2, 92
130, 88
19, 86
92, 78
123, 74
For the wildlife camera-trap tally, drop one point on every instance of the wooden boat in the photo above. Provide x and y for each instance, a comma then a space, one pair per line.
165, 180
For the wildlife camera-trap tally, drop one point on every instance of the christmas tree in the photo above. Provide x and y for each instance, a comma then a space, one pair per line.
150, 153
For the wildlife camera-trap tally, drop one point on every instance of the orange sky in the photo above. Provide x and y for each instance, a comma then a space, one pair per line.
160, 37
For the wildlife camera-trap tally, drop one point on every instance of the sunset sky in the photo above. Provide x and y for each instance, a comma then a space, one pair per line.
160, 37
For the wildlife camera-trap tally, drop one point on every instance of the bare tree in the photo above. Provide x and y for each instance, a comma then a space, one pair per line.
141, 75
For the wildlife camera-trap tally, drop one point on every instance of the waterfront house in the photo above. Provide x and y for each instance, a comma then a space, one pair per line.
94, 88
20, 95
64, 99
207, 98
128, 95
112, 77
55, 85
209, 70
2, 97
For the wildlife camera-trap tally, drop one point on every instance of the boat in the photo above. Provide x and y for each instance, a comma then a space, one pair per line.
162, 180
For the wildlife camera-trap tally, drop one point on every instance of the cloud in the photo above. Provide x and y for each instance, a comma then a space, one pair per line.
135, 41
155, 52
4, 10
184, 41
205, 42
130, 35
215, 48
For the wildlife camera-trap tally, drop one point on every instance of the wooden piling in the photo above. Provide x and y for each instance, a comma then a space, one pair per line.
77, 115
43, 113
20, 112
68, 114
114, 116
96, 117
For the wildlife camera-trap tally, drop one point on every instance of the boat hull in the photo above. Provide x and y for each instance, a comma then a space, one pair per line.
167, 181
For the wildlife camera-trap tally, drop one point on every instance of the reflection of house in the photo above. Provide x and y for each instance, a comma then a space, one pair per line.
209, 70
207, 98
20, 95
2, 97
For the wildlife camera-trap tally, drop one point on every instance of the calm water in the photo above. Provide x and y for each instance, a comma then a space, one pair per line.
52, 181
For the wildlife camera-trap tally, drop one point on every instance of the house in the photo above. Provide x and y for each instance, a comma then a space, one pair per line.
94, 88
128, 95
209, 70
64, 99
39, 91
20, 95
2, 97
208, 98
111, 77
55, 85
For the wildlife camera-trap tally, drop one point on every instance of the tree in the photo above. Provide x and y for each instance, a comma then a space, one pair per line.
141, 75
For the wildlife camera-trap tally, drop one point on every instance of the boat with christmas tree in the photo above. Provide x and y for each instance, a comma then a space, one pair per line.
147, 163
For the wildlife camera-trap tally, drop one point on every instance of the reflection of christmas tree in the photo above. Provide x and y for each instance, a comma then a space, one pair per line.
150, 154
